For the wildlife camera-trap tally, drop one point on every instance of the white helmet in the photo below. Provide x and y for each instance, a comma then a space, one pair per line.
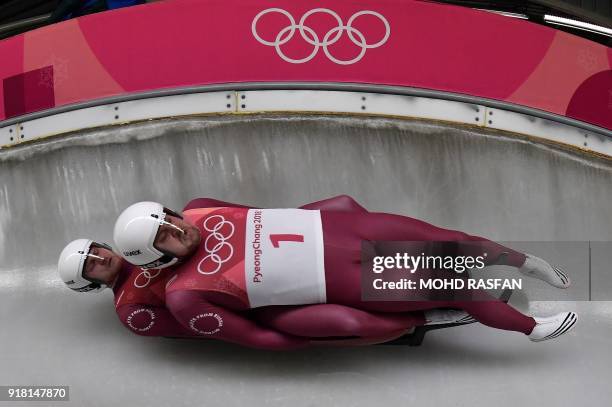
71, 266
135, 231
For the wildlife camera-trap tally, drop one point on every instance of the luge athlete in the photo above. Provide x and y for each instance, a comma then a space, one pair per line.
87, 266
230, 259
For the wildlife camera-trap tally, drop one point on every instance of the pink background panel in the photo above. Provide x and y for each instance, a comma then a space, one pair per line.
11, 55
430, 46
196, 42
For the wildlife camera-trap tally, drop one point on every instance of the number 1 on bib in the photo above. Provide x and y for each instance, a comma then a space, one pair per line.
277, 238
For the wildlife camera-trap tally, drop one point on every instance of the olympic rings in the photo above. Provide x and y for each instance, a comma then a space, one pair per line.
221, 242
148, 276
311, 37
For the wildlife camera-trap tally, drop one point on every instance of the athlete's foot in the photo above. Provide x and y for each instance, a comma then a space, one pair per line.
553, 327
540, 269
447, 316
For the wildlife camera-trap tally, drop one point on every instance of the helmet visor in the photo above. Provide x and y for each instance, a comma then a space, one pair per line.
172, 213
164, 227
87, 265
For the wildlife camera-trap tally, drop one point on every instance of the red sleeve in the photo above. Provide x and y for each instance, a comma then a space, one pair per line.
337, 203
324, 320
197, 314
211, 203
147, 320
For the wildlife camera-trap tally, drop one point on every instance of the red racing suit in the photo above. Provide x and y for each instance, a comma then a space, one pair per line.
217, 306
219, 286
140, 302
141, 306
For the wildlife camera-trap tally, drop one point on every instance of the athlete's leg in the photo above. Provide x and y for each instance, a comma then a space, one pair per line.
344, 287
324, 320
336, 203
485, 309
344, 234
497, 314
389, 227
493, 313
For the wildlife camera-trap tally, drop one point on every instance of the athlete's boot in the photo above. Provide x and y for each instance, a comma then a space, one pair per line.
540, 269
552, 327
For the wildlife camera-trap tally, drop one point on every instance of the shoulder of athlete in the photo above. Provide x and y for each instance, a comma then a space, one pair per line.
124, 273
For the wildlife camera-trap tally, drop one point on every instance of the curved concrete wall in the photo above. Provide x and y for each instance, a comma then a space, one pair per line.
499, 187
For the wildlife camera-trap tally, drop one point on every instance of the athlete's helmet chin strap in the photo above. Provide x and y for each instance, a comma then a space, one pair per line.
94, 256
163, 222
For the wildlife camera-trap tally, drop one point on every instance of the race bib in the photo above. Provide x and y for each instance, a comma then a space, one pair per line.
284, 257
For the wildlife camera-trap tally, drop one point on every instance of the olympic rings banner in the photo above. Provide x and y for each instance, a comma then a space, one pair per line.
178, 43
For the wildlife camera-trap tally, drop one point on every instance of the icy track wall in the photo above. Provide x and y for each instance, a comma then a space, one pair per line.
504, 188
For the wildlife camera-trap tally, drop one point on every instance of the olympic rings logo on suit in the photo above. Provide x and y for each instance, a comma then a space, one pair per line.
174, 277
311, 37
214, 224
148, 276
